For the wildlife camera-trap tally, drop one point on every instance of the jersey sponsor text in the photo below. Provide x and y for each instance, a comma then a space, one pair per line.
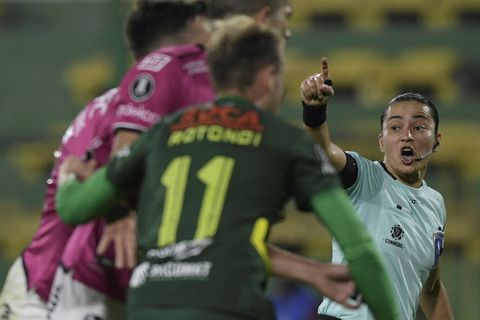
154, 62
141, 113
217, 124
215, 134
170, 271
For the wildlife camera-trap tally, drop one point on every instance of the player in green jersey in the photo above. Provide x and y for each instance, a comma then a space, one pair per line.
274, 13
405, 216
212, 180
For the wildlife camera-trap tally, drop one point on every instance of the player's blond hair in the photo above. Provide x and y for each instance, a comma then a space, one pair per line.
238, 49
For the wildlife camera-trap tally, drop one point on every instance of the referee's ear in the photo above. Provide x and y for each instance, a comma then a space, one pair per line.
437, 141
380, 142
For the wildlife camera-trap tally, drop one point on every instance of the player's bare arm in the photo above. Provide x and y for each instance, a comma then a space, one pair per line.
122, 139
333, 281
121, 232
75, 168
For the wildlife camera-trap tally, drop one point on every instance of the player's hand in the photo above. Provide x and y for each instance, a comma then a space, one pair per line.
316, 90
122, 233
335, 282
74, 167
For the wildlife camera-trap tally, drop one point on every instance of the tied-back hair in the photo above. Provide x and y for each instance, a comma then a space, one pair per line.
238, 49
412, 96
151, 20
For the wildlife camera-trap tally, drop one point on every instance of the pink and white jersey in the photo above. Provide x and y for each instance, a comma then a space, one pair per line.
42, 255
162, 82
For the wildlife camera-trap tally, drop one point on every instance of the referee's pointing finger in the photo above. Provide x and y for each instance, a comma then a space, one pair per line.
325, 69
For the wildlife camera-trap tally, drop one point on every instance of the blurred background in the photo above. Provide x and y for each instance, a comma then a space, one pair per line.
57, 55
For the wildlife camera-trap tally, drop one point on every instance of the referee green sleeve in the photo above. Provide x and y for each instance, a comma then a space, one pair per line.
365, 263
79, 202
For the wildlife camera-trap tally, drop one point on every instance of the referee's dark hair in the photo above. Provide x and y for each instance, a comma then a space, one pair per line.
412, 96
150, 21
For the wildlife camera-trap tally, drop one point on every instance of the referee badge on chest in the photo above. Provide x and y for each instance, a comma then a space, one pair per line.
438, 242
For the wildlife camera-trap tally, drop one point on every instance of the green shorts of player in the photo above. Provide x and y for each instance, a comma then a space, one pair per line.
183, 313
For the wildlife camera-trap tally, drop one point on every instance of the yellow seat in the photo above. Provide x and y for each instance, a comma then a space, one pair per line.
373, 14
446, 13
306, 10
357, 70
33, 159
425, 68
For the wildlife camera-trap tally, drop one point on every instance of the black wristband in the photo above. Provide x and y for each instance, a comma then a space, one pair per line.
314, 116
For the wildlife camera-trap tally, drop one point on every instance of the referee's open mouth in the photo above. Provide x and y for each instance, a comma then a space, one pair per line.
407, 155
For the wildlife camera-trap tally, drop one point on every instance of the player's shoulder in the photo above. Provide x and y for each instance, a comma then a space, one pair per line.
175, 117
170, 56
284, 134
106, 97
276, 120
154, 62
182, 51
101, 104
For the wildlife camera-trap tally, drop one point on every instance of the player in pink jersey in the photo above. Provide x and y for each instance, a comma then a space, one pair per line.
100, 129
31, 276
161, 82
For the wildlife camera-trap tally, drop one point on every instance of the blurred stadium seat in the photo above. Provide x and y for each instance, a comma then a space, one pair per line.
430, 71
446, 13
33, 159
324, 13
357, 73
373, 77
90, 77
375, 14
354, 72
18, 226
